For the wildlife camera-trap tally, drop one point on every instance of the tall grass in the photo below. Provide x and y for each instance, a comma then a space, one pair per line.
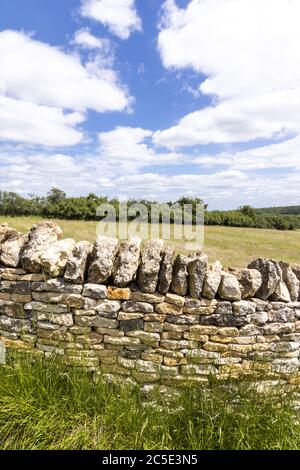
46, 406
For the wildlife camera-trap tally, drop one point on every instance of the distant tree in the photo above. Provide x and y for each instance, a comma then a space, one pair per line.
55, 196
249, 211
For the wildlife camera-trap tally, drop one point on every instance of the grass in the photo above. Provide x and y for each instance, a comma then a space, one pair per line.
45, 406
233, 246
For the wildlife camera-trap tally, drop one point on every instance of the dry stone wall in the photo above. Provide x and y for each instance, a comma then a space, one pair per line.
144, 314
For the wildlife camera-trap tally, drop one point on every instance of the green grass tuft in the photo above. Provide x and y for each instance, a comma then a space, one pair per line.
44, 405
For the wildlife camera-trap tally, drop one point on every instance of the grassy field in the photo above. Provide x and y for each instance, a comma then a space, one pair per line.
45, 406
233, 246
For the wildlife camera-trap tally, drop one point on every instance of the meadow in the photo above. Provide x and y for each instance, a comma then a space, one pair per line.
48, 407
233, 246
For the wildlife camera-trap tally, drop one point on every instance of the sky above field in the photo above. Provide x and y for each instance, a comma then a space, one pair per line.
151, 98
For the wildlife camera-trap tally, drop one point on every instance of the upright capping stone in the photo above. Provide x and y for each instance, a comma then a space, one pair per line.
77, 263
150, 265
102, 259
196, 270
296, 270
212, 280
249, 280
229, 288
40, 237
55, 257
179, 284
11, 248
281, 293
166, 269
4, 230
127, 262
271, 276
291, 280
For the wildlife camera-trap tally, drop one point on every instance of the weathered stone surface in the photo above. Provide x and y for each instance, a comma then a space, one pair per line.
249, 280
166, 270
150, 265
281, 293
102, 259
179, 284
154, 298
291, 281
12, 309
108, 308
243, 308
212, 280
197, 269
229, 288
95, 291
271, 276
77, 263
132, 306
41, 307
175, 299
55, 257
119, 293
296, 270
60, 286
4, 229
40, 237
11, 248
127, 262
168, 309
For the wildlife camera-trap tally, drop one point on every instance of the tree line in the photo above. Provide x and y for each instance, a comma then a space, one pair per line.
56, 204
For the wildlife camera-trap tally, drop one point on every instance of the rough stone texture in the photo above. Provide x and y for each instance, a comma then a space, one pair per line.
290, 279
271, 276
4, 229
166, 270
179, 284
55, 257
77, 263
212, 280
249, 280
281, 293
196, 270
229, 288
40, 237
164, 339
150, 265
127, 262
95, 291
102, 260
11, 247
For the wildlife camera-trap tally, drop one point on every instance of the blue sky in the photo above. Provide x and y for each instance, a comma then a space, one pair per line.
151, 98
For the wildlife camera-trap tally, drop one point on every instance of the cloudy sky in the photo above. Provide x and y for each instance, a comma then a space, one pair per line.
152, 98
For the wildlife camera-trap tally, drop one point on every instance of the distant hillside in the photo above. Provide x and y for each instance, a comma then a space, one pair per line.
287, 210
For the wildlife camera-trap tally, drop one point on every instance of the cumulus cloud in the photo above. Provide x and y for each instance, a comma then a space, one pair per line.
249, 53
131, 148
35, 71
85, 39
120, 16
22, 121
281, 155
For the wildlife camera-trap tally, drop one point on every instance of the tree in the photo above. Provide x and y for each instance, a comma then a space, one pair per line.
249, 211
55, 196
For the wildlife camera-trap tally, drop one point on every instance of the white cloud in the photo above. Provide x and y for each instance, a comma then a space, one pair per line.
37, 172
281, 155
249, 52
130, 148
22, 121
120, 16
86, 40
35, 71
269, 115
